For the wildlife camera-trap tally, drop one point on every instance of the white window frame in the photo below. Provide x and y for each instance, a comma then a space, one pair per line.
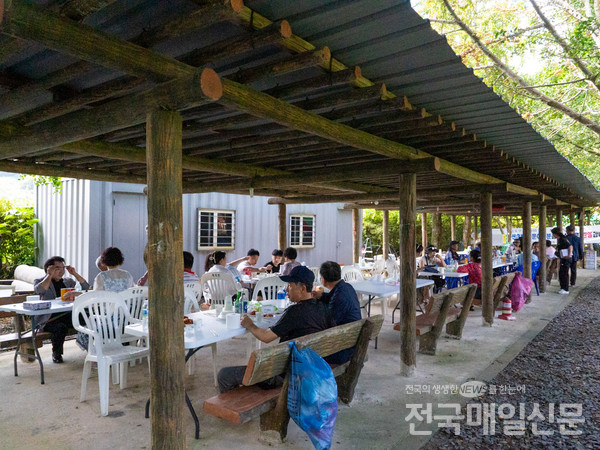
314, 227
215, 245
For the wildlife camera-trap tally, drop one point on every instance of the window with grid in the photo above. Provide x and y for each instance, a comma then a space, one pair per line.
216, 229
302, 231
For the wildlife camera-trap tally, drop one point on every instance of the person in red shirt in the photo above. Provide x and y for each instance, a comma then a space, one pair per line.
474, 271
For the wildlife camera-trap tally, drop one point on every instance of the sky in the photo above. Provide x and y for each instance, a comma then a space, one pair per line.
17, 191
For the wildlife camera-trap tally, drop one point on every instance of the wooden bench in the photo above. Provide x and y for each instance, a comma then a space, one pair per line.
502, 288
250, 401
450, 308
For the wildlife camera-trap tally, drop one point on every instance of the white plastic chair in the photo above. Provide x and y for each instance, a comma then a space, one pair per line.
351, 273
378, 267
391, 266
191, 303
217, 286
196, 288
315, 270
105, 314
134, 298
269, 287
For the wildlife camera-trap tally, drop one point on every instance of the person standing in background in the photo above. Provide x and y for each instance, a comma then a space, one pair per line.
577, 252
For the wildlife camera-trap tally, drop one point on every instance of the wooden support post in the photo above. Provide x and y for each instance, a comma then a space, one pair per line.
355, 236
386, 237
408, 287
509, 229
581, 222
453, 227
440, 228
572, 218
466, 231
282, 219
542, 241
165, 265
559, 219
435, 229
526, 240
487, 270
475, 232
423, 231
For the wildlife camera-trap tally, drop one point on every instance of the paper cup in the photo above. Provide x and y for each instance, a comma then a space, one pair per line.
233, 321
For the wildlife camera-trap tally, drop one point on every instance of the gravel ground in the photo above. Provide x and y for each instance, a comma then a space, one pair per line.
561, 365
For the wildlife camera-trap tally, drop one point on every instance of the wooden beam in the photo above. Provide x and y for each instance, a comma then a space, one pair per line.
333, 198
559, 217
408, 290
452, 227
165, 265
50, 170
185, 93
487, 270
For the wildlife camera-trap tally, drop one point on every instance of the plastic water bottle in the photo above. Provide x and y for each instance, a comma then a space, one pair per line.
244, 303
280, 294
145, 316
237, 306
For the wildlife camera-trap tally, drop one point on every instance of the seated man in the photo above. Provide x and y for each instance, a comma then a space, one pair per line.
289, 256
188, 264
49, 288
307, 315
248, 266
342, 301
274, 265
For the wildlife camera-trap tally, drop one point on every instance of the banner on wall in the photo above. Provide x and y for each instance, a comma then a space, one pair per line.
591, 234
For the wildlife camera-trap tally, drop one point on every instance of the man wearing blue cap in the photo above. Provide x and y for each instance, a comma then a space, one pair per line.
307, 315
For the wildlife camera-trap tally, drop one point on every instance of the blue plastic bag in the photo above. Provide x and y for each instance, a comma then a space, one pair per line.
312, 396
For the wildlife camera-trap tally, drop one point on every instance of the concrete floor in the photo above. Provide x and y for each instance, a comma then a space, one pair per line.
50, 416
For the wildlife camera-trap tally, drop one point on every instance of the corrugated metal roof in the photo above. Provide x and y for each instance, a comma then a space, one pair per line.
385, 38
393, 44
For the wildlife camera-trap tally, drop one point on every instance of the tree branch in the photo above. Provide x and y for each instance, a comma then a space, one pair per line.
550, 84
567, 49
593, 126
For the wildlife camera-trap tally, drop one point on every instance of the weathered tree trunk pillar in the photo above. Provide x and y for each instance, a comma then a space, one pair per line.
581, 222
165, 266
475, 232
487, 269
559, 219
386, 236
453, 228
572, 218
355, 236
423, 231
509, 229
408, 287
435, 229
440, 227
527, 240
282, 222
466, 231
542, 234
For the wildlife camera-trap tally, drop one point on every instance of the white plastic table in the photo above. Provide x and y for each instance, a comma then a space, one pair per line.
56, 306
380, 290
212, 330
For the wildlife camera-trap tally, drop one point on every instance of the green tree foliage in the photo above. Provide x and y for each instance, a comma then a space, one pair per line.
559, 58
373, 229
17, 244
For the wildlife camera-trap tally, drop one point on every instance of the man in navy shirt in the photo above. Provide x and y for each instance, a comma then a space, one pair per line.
577, 252
307, 315
342, 301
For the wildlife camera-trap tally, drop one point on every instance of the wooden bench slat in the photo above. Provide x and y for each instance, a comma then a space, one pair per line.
272, 361
242, 404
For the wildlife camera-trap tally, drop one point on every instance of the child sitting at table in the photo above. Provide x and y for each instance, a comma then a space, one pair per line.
474, 270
